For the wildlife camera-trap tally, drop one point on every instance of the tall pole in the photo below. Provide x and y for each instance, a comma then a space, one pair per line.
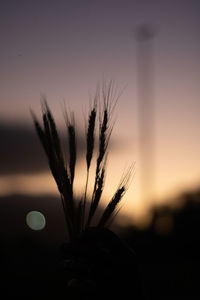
146, 109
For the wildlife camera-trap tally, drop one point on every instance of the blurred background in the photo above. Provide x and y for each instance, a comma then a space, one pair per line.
63, 49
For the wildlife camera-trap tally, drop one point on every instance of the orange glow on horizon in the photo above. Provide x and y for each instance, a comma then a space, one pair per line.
136, 209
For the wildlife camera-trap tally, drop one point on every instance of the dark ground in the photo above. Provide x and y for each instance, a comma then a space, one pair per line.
168, 257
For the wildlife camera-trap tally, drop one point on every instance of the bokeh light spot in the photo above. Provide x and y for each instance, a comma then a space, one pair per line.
35, 220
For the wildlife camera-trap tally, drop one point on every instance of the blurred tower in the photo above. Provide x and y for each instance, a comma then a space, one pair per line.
146, 109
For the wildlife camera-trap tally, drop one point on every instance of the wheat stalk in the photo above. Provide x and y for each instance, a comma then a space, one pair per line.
64, 172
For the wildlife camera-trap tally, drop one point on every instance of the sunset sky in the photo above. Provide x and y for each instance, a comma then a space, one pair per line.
62, 49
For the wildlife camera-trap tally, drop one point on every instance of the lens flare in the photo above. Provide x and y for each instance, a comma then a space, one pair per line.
35, 220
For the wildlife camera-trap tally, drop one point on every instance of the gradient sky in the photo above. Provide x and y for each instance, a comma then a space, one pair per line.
63, 48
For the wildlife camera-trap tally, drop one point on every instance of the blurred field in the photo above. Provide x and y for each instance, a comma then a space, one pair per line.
167, 252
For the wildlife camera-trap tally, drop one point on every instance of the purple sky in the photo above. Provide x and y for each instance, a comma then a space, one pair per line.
63, 48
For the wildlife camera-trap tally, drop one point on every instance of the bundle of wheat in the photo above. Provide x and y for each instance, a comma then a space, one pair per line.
64, 172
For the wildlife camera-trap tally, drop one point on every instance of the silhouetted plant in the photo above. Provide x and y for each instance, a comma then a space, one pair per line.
64, 172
